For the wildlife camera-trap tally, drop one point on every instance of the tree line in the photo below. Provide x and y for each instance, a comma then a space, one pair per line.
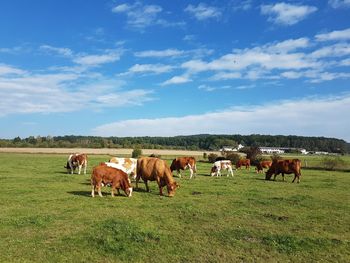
192, 142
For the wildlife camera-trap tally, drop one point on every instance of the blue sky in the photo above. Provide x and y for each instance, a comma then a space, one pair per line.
165, 68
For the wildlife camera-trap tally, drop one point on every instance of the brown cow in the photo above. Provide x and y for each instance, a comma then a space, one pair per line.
103, 174
284, 167
76, 160
243, 162
155, 169
183, 163
261, 165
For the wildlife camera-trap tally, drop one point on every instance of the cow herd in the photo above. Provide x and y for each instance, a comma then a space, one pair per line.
118, 172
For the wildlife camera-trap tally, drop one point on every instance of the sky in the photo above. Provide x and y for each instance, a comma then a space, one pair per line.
167, 68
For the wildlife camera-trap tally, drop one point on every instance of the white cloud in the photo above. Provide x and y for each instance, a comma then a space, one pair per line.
307, 117
9, 70
61, 51
150, 68
336, 50
334, 35
176, 80
226, 76
64, 92
96, 60
140, 16
287, 14
160, 53
203, 11
339, 3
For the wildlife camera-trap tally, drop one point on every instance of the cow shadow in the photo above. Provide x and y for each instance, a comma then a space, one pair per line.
80, 193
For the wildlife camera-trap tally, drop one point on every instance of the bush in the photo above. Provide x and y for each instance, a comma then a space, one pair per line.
212, 157
253, 154
233, 157
276, 157
155, 155
137, 152
331, 163
205, 156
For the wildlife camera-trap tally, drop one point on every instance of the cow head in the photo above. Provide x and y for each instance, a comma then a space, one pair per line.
173, 165
128, 191
213, 170
172, 188
268, 174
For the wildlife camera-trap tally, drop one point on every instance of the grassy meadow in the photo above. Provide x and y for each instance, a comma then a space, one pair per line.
49, 216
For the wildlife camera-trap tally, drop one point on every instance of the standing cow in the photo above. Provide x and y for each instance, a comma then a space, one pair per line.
261, 165
221, 165
155, 169
284, 167
183, 163
76, 160
103, 174
243, 162
127, 165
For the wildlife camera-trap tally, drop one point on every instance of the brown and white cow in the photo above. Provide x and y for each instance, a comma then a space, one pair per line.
261, 165
155, 169
105, 175
183, 163
284, 167
221, 165
243, 162
76, 160
127, 165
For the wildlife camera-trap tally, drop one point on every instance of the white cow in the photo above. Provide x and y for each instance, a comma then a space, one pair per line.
221, 165
127, 165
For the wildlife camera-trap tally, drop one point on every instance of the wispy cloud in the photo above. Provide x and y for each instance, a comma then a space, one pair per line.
160, 53
149, 68
176, 80
334, 35
339, 3
10, 70
64, 92
96, 60
287, 14
203, 11
310, 117
58, 50
140, 16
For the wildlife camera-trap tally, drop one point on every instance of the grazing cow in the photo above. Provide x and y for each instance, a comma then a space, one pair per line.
261, 165
103, 174
155, 169
183, 163
284, 167
243, 162
127, 165
221, 165
76, 160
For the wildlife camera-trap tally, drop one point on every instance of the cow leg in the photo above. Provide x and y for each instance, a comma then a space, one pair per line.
179, 173
274, 178
85, 166
112, 190
93, 190
283, 177
137, 181
146, 184
99, 189
191, 173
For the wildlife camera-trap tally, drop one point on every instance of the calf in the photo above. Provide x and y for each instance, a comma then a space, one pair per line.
261, 165
284, 167
183, 163
221, 165
76, 160
243, 162
102, 174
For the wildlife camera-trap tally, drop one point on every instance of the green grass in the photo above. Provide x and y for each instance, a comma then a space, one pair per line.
49, 216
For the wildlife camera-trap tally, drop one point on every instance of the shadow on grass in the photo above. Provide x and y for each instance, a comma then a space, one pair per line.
80, 193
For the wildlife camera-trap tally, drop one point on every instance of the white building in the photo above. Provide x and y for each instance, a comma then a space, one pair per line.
271, 150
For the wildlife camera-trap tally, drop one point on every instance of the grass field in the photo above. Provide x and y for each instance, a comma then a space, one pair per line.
49, 216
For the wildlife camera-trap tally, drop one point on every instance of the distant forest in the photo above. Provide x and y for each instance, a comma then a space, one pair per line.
191, 142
